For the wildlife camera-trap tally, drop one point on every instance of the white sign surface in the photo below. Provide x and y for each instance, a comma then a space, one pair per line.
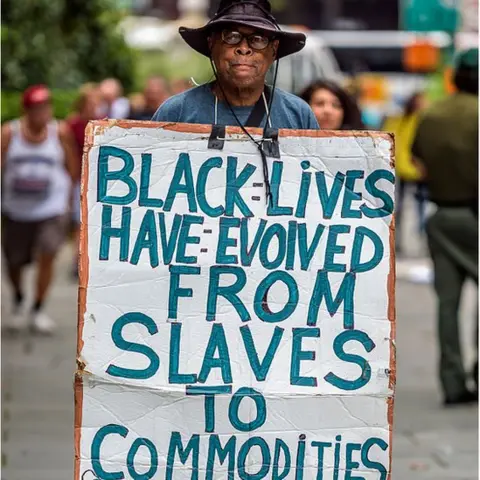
224, 333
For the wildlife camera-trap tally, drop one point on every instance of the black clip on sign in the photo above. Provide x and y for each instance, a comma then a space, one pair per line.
217, 137
270, 145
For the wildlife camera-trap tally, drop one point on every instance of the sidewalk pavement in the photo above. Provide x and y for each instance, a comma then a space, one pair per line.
429, 441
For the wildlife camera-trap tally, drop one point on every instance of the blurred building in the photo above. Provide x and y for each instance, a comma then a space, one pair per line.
467, 35
335, 14
165, 9
314, 14
469, 16
320, 14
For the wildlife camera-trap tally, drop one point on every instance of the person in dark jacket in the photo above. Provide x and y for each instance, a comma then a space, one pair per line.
446, 147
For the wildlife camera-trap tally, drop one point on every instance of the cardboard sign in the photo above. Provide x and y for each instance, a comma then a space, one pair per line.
225, 334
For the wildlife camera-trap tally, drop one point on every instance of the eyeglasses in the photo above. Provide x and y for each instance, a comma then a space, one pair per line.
256, 41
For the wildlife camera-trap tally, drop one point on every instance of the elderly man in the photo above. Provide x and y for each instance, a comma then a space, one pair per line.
242, 41
446, 145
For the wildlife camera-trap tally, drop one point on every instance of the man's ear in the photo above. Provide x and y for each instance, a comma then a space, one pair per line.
275, 44
210, 42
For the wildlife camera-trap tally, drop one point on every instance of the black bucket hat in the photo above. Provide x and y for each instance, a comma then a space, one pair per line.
255, 14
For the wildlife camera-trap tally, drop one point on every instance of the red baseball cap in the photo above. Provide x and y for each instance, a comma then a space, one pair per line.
35, 95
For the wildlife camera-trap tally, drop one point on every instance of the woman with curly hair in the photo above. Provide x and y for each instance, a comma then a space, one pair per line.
334, 108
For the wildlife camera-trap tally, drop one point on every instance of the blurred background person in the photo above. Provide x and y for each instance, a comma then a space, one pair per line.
446, 145
38, 164
137, 103
333, 107
179, 85
154, 94
85, 109
114, 104
408, 174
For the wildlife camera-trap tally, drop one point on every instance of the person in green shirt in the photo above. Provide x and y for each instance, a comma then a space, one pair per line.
446, 149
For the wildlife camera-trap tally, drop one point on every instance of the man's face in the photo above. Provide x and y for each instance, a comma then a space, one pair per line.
242, 65
39, 115
110, 90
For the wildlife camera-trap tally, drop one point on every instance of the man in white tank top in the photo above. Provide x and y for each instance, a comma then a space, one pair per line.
38, 166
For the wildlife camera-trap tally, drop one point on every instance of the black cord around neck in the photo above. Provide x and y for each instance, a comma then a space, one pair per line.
270, 103
258, 143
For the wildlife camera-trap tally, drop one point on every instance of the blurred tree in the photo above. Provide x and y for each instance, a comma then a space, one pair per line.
63, 43
30, 55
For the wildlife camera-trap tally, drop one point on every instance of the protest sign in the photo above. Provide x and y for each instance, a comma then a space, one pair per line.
224, 333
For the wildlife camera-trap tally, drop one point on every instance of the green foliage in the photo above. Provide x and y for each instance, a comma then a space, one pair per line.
63, 43
180, 65
62, 103
91, 28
